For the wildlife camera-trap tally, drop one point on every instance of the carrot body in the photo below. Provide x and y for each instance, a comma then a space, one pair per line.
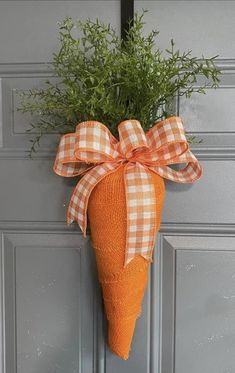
122, 287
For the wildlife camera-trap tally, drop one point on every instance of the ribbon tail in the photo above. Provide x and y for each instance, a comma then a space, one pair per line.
77, 210
189, 174
141, 212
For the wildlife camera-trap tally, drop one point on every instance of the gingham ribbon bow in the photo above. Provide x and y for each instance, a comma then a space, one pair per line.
92, 151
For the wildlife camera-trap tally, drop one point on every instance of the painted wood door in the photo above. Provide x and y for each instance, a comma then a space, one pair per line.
196, 245
51, 311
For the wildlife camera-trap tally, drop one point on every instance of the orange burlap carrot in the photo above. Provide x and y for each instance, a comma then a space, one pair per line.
123, 287
122, 189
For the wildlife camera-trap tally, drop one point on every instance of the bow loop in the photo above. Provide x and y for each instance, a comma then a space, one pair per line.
165, 132
166, 141
94, 143
66, 164
132, 137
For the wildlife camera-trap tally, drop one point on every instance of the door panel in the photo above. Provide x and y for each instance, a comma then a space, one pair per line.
30, 27
198, 325
50, 302
204, 27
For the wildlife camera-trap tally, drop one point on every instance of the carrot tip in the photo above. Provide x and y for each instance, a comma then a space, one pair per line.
120, 336
119, 354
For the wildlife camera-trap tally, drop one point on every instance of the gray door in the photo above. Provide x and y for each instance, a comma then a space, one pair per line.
51, 318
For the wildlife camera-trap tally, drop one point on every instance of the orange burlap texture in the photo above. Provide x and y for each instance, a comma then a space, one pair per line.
123, 287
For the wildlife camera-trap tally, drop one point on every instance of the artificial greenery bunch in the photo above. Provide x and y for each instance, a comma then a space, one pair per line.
103, 78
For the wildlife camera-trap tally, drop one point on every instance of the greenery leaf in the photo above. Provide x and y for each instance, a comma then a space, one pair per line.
100, 77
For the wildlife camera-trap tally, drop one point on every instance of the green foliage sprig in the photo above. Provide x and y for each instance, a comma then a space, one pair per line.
100, 77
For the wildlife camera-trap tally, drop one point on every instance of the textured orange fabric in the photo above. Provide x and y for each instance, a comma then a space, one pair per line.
123, 287
93, 152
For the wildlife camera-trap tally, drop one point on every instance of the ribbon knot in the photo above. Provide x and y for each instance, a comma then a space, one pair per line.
93, 152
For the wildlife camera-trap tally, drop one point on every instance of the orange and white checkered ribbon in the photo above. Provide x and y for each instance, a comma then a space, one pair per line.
93, 152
